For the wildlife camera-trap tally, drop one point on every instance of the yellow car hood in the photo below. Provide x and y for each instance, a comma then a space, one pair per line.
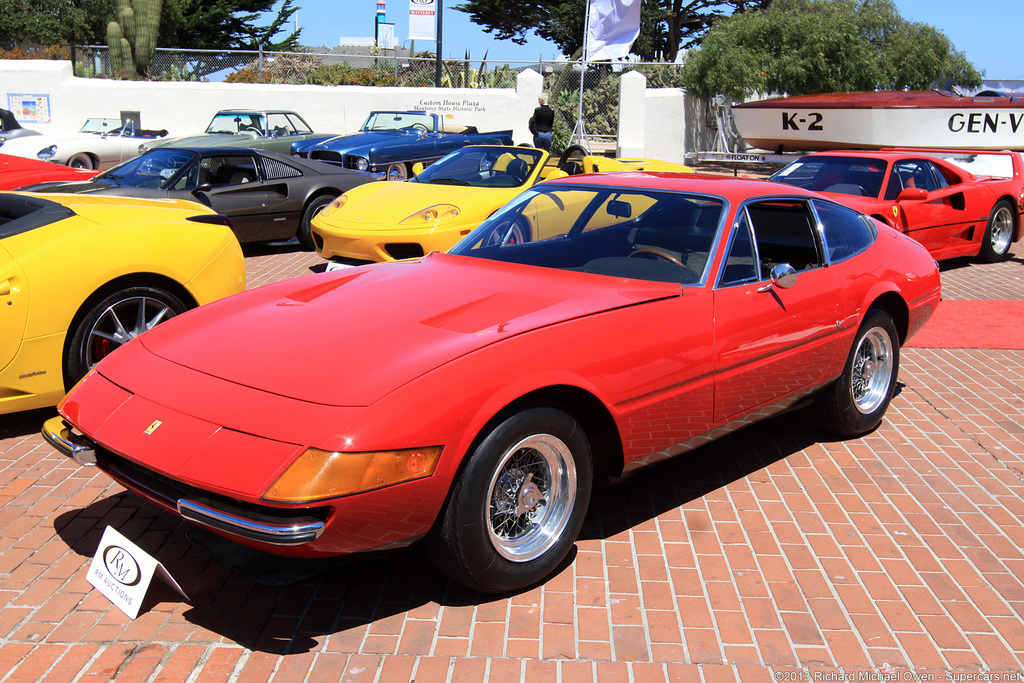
376, 204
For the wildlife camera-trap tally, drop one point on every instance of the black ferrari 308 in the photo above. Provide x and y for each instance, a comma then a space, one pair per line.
268, 196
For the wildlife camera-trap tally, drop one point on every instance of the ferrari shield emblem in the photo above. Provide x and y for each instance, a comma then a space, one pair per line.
152, 428
895, 211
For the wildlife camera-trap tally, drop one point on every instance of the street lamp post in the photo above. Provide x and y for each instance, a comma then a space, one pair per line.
437, 62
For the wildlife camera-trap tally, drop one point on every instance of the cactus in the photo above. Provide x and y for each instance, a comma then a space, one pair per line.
132, 39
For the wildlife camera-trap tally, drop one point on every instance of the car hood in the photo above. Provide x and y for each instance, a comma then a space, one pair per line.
390, 203
33, 143
347, 338
71, 187
348, 144
207, 140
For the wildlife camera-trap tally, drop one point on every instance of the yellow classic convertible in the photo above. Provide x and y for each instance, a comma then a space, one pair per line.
80, 275
446, 200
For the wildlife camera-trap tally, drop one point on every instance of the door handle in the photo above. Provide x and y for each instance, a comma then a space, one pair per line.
5, 288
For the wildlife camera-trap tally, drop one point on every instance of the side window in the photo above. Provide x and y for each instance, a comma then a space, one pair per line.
785, 232
846, 231
917, 173
741, 263
189, 181
278, 125
298, 125
235, 169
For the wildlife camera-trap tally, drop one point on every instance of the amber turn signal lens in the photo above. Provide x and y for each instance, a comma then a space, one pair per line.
318, 474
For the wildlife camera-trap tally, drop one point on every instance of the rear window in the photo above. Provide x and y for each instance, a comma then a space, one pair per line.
21, 213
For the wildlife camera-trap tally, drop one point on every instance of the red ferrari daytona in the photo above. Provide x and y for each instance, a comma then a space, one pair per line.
955, 203
470, 400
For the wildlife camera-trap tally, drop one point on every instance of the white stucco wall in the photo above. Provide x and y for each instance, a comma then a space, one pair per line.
652, 122
184, 107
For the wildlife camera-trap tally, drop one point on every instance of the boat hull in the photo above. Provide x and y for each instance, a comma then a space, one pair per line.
821, 122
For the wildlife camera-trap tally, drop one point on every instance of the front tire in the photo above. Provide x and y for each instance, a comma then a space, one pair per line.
305, 231
397, 172
111, 322
856, 402
995, 245
516, 508
81, 161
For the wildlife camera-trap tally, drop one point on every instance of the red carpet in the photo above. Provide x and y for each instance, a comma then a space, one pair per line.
959, 324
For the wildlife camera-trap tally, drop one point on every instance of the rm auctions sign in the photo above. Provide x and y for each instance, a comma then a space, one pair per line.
122, 571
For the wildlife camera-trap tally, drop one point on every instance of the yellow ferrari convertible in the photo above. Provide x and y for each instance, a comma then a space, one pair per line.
80, 275
446, 200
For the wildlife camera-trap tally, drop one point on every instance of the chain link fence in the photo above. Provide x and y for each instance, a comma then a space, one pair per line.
563, 81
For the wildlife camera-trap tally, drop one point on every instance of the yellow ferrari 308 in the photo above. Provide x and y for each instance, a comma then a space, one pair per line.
80, 275
445, 201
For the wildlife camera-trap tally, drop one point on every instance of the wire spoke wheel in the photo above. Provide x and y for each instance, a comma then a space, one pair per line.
530, 497
872, 370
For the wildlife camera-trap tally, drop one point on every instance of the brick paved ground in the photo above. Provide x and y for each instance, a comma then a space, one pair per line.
771, 555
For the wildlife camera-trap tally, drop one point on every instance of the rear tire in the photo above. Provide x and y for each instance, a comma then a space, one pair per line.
995, 245
856, 402
517, 506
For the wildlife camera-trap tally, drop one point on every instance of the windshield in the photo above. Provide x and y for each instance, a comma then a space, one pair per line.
843, 175
101, 126
392, 120
233, 123
153, 169
634, 233
483, 167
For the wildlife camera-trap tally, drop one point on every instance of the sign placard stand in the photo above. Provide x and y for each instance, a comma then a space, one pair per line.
122, 571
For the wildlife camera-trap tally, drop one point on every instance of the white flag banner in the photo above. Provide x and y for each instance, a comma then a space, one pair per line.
612, 26
422, 19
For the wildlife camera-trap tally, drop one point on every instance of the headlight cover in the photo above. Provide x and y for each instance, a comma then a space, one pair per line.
362, 164
47, 153
433, 214
319, 475
333, 206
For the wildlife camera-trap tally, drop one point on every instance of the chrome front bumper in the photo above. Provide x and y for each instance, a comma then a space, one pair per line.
59, 434
224, 516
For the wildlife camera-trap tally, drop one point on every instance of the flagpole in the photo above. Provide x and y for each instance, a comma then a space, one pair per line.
579, 132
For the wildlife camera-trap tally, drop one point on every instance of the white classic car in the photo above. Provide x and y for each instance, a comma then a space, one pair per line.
100, 144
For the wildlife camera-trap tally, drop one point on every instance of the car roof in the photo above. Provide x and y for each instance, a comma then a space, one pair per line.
724, 186
255, 112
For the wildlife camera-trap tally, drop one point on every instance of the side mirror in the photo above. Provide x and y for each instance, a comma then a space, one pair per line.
912, 193
783, 276
205, 187
557, 173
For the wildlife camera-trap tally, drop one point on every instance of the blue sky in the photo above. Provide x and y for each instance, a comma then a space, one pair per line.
990, 33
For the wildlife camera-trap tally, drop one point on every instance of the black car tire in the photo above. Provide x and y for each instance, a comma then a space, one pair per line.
995, 244
856, 402
106, 323
501, 529
305, 231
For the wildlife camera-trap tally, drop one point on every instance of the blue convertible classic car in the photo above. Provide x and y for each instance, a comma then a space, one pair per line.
390, 142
